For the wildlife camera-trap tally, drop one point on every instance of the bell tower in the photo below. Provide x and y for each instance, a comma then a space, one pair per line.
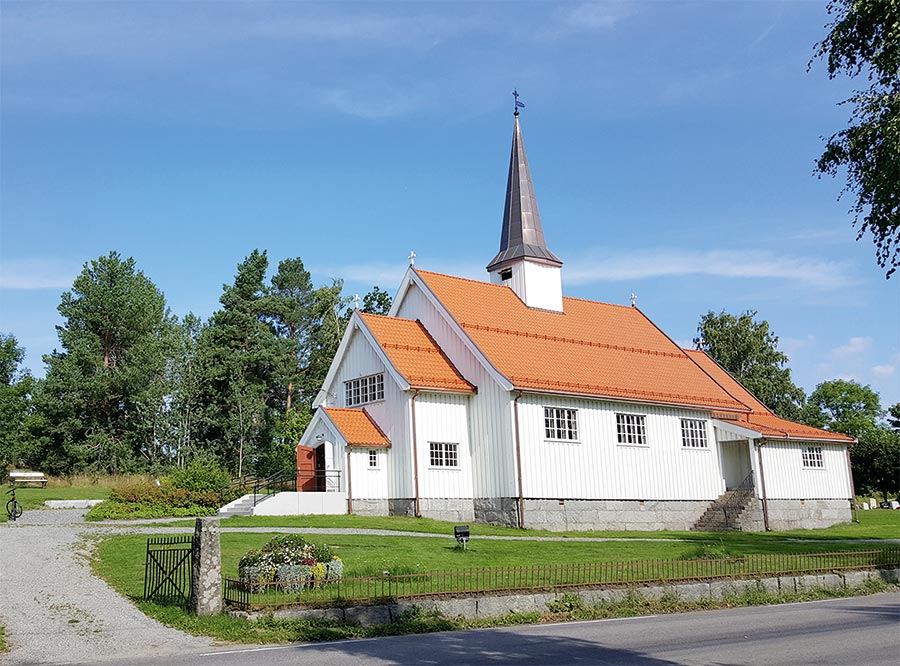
524, 262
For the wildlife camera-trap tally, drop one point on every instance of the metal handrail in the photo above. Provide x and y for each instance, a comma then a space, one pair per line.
287, 481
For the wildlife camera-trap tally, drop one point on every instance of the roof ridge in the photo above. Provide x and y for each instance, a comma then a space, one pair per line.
388, 317
575, 341
587, 300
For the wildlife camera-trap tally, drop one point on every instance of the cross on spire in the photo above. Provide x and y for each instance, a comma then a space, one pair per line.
356, 301
633, 299
412, 258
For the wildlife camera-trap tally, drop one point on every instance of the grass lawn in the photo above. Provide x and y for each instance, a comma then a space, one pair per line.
875, 524
31, 497
4, 646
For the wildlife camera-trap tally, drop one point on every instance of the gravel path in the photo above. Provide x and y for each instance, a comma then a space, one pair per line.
56, 612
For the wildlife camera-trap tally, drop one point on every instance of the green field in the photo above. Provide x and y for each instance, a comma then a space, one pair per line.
877, 524
31, 497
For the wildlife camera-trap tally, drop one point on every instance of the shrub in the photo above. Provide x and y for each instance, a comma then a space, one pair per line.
202, 474
147, 500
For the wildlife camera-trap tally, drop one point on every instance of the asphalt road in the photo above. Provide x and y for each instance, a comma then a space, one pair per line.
860, 631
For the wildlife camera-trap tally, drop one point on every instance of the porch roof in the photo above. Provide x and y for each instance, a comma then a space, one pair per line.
357, 427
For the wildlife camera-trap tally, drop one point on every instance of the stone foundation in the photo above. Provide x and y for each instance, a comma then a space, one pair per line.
796, 514
401, 507
453, 510
497, 511
640, 515
370, 507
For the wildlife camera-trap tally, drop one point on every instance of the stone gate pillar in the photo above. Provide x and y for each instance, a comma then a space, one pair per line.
206, 577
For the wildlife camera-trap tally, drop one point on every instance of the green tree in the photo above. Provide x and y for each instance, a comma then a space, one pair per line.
748, 350
377, 302
238, 356
843, 406
330, 316
184, 404
876, 462
865, 39
893, 417
102, 402
16, 386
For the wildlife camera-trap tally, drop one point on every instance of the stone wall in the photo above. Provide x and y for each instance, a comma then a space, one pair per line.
402, 507
497, 511
453, 510
642, 515
371, 507
796, 514
500, 604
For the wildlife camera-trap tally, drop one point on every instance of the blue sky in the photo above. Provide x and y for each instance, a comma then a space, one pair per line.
672, 147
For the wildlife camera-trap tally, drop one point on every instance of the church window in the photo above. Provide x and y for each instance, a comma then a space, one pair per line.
506, 274
444, 454
373, 458
560, 423
693, 433
363, 390
631, 429
812, 457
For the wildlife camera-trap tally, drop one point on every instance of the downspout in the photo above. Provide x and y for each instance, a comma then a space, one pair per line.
519, 462
762, 482
349, 484
415, 454
853, 504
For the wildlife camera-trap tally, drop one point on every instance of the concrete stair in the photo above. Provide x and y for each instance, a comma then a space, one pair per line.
724, 514
243, 506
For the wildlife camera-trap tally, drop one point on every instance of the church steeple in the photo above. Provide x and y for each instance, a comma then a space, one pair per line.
524, 261
522, 235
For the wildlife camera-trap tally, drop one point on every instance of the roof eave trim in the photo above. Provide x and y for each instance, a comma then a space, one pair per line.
619, 398
743, 431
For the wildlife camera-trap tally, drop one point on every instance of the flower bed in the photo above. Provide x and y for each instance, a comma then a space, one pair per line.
292, 562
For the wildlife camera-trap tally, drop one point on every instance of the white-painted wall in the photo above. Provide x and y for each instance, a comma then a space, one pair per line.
391, 414
490, 422
298, 504
369, 482
441, 417
787, 478
598, 467
538, 285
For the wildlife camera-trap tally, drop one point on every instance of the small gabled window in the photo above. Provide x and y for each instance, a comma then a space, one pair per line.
560, 423
363, 390
631, 429
812, 457
693, 434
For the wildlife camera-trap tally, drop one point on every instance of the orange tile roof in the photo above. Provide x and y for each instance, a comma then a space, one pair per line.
415, 354
761, 418
592, 348
357, 427
728, 382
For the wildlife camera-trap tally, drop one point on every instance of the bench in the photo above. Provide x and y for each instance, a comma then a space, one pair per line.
17, 478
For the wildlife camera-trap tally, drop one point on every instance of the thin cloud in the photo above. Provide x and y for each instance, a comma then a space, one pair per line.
814, 272
883, 370
854, 347
35, 274
590, 16
387, 274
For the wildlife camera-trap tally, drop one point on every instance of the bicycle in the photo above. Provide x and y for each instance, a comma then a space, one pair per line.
13, 508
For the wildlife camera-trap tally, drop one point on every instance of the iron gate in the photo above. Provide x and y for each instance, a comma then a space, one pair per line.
167, 569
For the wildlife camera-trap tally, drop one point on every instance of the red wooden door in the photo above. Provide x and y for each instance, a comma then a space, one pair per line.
306, 469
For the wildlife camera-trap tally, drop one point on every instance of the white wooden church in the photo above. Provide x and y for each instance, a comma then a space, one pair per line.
505, 402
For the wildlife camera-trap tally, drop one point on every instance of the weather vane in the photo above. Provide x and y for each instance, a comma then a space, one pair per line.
519, 105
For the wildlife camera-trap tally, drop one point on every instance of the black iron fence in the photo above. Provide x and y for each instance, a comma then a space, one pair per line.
247, 595
167, 569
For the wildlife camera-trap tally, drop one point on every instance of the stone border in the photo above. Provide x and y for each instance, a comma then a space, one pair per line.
484, 606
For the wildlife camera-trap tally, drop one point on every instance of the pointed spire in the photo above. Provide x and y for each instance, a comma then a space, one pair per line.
522, 235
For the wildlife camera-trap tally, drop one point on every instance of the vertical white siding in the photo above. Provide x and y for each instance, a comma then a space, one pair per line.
490, 420
441, 417
369, 482
787, 478
598, 467
392, 414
